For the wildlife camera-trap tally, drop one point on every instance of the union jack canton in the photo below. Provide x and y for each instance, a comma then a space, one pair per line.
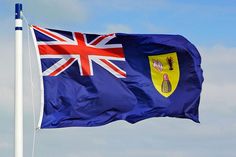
73, 47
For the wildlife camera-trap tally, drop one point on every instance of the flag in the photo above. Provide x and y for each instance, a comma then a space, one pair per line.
92, 80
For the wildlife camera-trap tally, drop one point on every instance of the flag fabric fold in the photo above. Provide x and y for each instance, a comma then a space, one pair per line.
92, 80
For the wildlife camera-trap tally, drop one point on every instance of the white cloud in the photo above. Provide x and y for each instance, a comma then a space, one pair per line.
4, 145
155, 29
133, 153
129, 5
218, 55
118, 28
219, 86
7, 74
56, 11
7, 97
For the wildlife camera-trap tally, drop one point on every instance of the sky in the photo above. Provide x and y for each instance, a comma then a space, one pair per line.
209, 25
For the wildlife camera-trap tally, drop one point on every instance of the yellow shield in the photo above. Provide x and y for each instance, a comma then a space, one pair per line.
165, 72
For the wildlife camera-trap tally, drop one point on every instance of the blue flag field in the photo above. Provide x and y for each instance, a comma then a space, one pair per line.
92, 80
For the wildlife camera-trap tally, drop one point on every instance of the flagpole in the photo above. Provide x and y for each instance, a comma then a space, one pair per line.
18, 82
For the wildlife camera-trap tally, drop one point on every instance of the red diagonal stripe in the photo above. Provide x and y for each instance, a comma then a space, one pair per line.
96, 41
48, 33
61, 68
113, 67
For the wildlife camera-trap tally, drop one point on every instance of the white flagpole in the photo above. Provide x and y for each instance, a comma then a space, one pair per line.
18, 82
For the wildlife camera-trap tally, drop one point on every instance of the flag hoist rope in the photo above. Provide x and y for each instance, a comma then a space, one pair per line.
31, 85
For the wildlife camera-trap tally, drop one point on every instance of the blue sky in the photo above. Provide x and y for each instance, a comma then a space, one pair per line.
209, 24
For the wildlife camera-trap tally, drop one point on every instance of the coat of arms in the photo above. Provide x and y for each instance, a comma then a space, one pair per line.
165, 72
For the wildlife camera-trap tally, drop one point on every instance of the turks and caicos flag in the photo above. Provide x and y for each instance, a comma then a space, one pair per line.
92, 80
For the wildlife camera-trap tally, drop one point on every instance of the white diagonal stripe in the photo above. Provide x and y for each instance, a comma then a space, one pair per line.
105, 66
67, 40
55, 66
105, 40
